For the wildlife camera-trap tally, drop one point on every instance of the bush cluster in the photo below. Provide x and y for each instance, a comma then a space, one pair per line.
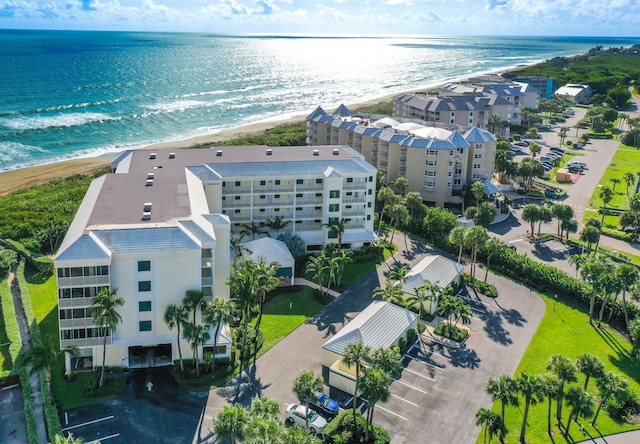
452, 332
367, 253
43, 264
344, 430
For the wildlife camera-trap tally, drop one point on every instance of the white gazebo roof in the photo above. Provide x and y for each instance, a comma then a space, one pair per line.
270, 250
438, 270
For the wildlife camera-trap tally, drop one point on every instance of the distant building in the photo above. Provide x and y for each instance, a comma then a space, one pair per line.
437, 161
161, 223
546, 85
575, 93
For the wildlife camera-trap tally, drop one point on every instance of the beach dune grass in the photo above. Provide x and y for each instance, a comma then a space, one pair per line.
565, 330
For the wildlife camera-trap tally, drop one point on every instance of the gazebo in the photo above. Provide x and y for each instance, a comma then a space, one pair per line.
272, 251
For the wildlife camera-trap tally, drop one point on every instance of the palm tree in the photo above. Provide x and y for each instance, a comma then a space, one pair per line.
375, 387
196, 334
342, 258
569, 227
218, 312
413, 202
535, 149
532, 389
398, 214
385, 195
387, 360
427, 292
266, 281
562, 132
493, 245
610, 384
175, 316
336, 228
580, 402
493, 121
263, 424
69, 439
391, 292
398, 274
591, 366
590, 235
456, 237
503, 389
277, 224
531, 214
252, 229
230, 422
615, 182
577, 260
237, 246
354, 355
483, 418
565, 371
305, 385
629, 179
606, 194
550, 385
627, 275
401, 184
106, 316
193, 300
479, 192
318, 266
562, 212
610, 285
475, 237
592, 271
43, 355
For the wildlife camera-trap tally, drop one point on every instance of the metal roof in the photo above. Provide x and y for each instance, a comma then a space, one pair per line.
378, 325
436, 269
84, 247
145, 239
477, 135
270, 250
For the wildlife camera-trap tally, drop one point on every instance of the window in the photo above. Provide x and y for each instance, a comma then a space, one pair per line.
430, 173
318, 181
369, 191
236, 211
348, 207
144, 286
277, 182
276, 210
299, 181
145, 325
263, 196
350, 193
262, 210
370, 178
65, 334
368, 204
77, 313
429, 184
144, 306
236, 197
432, 153
475, 176
431, 163
448, 184
318, 194
478, 146
237, 183
263, 183
317, 208
298, 208
477, 166
276, 196
334, 194
477, 156
298, 194
368, 217
450, 162
334, 207
349, 179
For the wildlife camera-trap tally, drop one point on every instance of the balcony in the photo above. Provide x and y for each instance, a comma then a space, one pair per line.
75, 302
86, 281
312, 187
309, 215
229, 188
305, 227
206, 262
230, 204
76, 323
402, 163
84, 342
352, 200
354, 212
360, 185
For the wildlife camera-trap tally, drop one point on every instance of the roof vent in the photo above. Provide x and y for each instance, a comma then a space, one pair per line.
151, 176
219, 153
146, 207
146, 216
152, 155
149, 182
316, 152
269, 152
172, 155
336, 151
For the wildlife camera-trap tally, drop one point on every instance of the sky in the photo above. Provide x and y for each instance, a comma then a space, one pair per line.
368, 17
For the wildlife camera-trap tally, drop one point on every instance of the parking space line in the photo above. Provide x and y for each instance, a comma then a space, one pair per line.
87, 423
393, 413
472, 299
424, 362
411, 386
431, 352
418, 374
405, 400
115, 435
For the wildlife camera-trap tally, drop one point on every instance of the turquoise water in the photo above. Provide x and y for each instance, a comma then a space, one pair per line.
78, 94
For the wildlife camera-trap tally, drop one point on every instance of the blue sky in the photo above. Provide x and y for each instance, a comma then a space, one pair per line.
423, 17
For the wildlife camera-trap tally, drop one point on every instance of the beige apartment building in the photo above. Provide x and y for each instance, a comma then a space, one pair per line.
437, 161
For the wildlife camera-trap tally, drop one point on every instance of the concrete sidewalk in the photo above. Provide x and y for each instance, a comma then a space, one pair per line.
632, 437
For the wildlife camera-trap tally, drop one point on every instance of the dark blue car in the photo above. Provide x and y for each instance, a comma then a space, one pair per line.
324, 404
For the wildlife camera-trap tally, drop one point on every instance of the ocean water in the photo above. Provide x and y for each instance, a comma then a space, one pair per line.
70, 94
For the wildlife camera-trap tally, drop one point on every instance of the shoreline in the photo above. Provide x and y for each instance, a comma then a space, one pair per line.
14, 180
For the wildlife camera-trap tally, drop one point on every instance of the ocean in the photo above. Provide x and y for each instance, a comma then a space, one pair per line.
66, 94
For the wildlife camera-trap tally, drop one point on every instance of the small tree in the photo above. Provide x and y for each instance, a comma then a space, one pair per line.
580, 402
532, 389
375, 387
565, 371
606, 194
531, 214
356, 354
590, 366
230, 422
610, 384
305, 385
175, 316
503, 389
106, 316
457, 237
218, 312
196, 335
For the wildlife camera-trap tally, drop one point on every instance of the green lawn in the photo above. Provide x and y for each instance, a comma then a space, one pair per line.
565, 330
626, 159
10, 343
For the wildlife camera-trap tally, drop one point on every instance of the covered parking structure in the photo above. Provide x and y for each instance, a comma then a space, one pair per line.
380, 325
272, 251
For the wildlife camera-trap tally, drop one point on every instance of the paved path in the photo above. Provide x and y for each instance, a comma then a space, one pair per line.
621, 438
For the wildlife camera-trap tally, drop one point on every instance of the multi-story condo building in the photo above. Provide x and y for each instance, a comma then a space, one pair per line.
437, 161
546, 85
160, 225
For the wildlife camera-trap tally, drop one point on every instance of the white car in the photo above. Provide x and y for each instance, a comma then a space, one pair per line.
296, 415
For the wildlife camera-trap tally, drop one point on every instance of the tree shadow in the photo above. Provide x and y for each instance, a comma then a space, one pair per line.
465, 357
244, 387
494, 329
513, 317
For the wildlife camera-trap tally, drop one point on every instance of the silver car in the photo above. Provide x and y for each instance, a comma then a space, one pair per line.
296, 415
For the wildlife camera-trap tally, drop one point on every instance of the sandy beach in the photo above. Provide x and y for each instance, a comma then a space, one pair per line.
14, 180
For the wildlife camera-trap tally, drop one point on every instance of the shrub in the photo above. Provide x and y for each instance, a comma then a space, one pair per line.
411, 336
7, 259
452, 332
91, 387
402, 344
421, 326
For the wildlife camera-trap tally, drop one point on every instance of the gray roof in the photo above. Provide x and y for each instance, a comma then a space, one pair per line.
318, 112
477, 135
378, 325
145, 239
197, 232
342, 111
436, 269
270, 250
84, 247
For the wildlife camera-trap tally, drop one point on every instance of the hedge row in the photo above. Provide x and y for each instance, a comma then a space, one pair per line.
10, 326
29, 414
43, 264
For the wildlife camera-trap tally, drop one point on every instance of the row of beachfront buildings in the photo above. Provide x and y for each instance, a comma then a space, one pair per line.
161, 223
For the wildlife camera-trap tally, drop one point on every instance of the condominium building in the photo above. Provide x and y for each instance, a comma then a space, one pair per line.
160, 224
546, 85
437, 161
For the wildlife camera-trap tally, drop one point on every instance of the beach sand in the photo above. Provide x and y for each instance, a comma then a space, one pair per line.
14, 180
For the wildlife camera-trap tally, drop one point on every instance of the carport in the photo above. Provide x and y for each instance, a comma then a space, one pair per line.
150, 356
272, 251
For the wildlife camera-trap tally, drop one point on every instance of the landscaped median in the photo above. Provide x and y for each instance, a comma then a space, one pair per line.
434, 332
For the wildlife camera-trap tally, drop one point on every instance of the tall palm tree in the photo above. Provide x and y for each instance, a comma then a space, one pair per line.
218, 312
479, 192
355, 354
237, 246
385, 195
577, 260
606, 194
532, 389
456, 237
230, 422
562, 212
503, 389
493, 245
562, 133
610, 285
483, 417
175, 316
629, 179
398, 273
386, 359
591, 271
610, 384
336, 228
343, 257
550, 385
569, 227
196, 334
476, 238
591, 366
615, 182
277, 224
318, 266
252, 229
580, 402
266, 281
401, 184
535, 149
565, 371
193, 300
427, 292
305, 385
43, 356
627, 275
493, 424
391, 293
398, 214
375, 387
106, 316
413, 200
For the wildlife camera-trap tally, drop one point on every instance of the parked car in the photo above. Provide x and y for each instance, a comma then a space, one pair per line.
546, 159
545, 127
576, 164
558, 150
522, 143
324, 404
297, 414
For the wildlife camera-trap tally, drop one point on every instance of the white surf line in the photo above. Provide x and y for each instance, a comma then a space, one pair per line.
87, 423
405, 400
424, 362
115, 435
413, 387
393, 413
